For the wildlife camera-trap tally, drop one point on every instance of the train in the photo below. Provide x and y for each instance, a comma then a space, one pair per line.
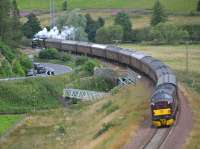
164, 100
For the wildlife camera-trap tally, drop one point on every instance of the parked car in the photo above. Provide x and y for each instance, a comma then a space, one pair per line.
39, 68
31, 72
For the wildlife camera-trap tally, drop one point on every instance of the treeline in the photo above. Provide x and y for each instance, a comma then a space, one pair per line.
12, 61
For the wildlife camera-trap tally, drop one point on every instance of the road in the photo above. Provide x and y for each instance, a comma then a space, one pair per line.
59, 70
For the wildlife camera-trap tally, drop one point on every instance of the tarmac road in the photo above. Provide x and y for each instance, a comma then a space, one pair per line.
59, 70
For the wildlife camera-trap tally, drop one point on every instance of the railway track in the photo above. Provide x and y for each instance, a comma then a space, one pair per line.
160, 135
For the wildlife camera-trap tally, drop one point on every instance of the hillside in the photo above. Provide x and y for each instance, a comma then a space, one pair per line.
12, 62
171, 5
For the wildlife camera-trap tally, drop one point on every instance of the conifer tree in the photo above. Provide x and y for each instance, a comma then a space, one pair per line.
159, 14
198, 6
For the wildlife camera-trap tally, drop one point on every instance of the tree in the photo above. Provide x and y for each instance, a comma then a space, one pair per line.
32, 26
159, 14
64, 5
109, 34
16, 26
198, 6
5, 21
77, 20
168, 33
92, 26
123, 19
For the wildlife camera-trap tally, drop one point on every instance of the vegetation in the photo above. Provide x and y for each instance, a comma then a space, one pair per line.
32, 26
9, 22
168, 33
109, 34
63, 126
193, 31
159, 14
198, 6
74, 19
49, 53
64, 5
170, 5
31, 94
93, 83
13, 62
92, 26
123, 20
7, 121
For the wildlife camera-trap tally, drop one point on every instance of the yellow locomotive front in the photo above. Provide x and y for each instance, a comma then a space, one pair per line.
164, 107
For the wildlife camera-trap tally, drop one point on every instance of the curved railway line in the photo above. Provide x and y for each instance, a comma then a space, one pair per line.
154, 69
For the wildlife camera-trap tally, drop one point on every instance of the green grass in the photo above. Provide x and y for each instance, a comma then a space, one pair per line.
26, 95
7, 121
171, 5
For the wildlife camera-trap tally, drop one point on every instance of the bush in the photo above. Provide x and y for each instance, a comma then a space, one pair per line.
94, 83
105, 127
109, 34
193, 30
5, 69
65, 57
89, 66
17, 68
80, 60
167, 33
140, 35
25, 62
50, 53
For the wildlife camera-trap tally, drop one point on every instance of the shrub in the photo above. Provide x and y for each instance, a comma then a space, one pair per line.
89, 66
105, 127
25, 62
65, 57
81, 60
140, 35
5, 69
167, 33
193, 30
17, 68
50, 53
109, 34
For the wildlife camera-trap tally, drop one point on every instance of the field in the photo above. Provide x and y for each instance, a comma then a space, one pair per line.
103, 124
175, 56
171, 5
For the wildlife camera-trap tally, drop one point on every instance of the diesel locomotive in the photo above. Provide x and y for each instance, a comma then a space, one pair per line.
164, 100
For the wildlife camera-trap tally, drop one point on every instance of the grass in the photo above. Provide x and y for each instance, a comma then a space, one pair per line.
175, 57
32, 94
7, 121
76, 126
171, 5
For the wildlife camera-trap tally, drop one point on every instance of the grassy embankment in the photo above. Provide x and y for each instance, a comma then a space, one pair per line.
175, 56
106, 123
171, 5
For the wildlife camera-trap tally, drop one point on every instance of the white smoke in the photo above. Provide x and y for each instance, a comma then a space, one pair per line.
66, 33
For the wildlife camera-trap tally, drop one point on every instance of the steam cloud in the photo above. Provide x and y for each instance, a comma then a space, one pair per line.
66, 33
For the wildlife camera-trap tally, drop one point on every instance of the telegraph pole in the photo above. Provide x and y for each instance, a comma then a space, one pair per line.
187, 58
